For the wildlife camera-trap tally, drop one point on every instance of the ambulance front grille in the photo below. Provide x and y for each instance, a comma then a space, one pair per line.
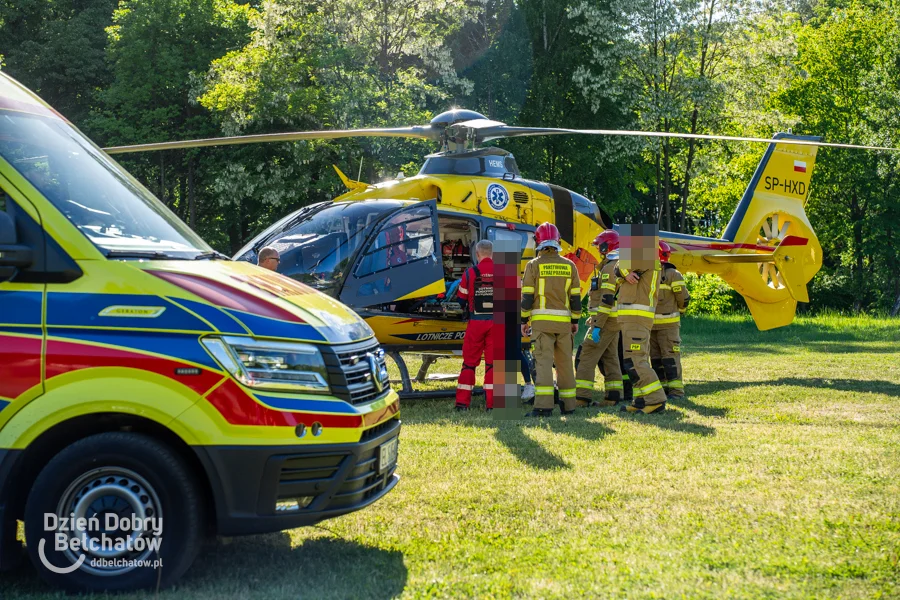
351, 374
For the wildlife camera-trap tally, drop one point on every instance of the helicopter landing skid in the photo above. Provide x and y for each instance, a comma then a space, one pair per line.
406, 390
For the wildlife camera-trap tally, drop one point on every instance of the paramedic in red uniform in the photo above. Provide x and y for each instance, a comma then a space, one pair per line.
476, 289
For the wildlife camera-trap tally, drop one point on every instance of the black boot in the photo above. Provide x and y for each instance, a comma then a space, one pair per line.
461, 407
540, 412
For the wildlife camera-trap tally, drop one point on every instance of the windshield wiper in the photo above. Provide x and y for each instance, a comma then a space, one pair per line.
151, 254
211, 255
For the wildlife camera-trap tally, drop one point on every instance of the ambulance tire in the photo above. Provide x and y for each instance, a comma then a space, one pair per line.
153, 479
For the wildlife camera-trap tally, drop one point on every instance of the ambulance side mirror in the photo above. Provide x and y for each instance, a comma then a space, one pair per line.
13, 256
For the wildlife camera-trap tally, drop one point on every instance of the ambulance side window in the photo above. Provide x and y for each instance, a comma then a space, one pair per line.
50, 263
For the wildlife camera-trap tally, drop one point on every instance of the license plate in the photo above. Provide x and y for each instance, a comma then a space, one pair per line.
387, 455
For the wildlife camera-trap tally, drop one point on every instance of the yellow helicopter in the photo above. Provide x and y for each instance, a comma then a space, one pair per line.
395, 250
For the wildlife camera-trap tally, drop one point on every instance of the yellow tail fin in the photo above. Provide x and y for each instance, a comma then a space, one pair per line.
771, 221
351, 184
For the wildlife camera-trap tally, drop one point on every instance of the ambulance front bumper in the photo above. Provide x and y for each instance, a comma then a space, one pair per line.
272, 488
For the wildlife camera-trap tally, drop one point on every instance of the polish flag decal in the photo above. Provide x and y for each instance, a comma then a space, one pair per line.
799, 166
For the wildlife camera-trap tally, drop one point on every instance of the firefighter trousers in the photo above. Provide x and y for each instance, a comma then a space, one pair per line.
549, 349
477, 341
648, 390
593, 354
665, 357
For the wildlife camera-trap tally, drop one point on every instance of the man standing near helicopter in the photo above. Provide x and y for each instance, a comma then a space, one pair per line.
476, 290
551, 300
600, 346
636, 309
665, 338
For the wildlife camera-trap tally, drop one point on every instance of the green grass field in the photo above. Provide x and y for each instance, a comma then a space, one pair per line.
778, 478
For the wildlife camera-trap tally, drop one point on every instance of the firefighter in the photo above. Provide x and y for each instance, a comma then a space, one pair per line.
476, 290
636, 309
665, 337
551, 299
600, 346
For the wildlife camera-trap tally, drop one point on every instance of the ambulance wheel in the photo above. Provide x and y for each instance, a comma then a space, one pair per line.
122, 490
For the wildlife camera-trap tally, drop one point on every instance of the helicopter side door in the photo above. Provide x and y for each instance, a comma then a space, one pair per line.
400, 260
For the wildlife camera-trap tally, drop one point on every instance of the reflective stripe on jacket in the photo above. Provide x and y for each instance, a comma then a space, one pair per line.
602, 300
637, 301
673, 298
551, 290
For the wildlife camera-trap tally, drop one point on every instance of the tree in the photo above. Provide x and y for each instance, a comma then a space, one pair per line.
847, 89
157, 48
57, 50
660, 61
321, 65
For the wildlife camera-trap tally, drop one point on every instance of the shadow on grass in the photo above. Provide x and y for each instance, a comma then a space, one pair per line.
266, 566
711, 334
512, 435
510, 427
700, 409
512, 431
672, 420
824, 347
889, 388
263, 566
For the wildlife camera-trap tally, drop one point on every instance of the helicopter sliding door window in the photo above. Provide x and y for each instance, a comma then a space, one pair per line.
520, 237
399, 261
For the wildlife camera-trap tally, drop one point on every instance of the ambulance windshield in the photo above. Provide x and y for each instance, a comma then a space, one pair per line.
100, 198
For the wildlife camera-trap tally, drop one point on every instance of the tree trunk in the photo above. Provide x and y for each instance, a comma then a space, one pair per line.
667, 186
162, 178
896, 310
858, 277
659, 200
192, 202
181, 186
687, 173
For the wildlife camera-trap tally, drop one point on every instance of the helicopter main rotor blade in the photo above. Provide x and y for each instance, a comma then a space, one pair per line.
427, 132
495, 132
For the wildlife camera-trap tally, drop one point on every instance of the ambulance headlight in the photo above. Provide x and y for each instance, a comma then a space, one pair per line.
271, 365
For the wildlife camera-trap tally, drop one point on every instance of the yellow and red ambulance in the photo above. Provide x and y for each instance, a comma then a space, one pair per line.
153, 392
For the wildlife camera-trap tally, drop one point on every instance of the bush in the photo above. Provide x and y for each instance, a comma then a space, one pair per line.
710, 295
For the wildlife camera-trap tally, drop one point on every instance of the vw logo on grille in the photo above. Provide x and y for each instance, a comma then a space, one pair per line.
375, 371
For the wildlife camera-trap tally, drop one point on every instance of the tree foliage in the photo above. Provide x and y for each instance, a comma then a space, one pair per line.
132, 71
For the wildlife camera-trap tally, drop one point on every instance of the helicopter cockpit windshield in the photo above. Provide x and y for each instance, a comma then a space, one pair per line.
320, 249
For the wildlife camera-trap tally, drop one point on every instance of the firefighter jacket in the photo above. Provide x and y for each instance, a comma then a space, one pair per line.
551, 293
476, 289
673, 298
602, 299
636, 302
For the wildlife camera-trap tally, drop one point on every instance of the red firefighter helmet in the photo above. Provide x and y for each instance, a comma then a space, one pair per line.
546, 236
607, 241
664, 251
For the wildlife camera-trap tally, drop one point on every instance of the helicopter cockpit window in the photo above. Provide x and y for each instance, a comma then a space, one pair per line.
404, 239
317, 250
